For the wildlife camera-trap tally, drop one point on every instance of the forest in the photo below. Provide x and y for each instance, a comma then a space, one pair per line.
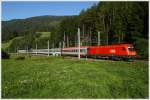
117, 22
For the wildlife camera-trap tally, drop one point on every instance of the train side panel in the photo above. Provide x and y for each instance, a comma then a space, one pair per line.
117, 50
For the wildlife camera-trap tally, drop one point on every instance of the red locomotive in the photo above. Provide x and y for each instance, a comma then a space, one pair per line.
120, 51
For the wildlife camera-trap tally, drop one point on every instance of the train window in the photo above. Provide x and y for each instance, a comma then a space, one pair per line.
131, 49
82, 50
123, 48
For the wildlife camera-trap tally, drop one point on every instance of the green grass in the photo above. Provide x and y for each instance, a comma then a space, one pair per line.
44, 34
8, 43
55, 77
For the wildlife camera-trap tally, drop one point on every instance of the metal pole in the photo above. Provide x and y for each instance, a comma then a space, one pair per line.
83, 35
64, 41
83, 30
99, 38
48, 46
90, 37
27, 50
63, 44
86, 57
67, 41
60, 48
8, 49
122, 37
53, 45
59, 44
36, 48
78, 43
17, 50
119, 38
107, 36
75, 41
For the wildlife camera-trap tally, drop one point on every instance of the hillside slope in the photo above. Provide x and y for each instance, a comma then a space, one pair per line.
7, 44
24, 26
19, 41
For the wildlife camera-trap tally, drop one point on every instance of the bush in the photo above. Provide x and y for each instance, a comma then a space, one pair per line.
5, 55
141, 45
20, 58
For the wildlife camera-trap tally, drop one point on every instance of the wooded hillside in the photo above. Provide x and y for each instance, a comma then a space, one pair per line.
21, 27
117, 22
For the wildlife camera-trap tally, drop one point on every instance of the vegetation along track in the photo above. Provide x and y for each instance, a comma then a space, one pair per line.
55, 77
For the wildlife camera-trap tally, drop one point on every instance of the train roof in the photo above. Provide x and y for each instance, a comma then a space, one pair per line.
113, 45
100, 46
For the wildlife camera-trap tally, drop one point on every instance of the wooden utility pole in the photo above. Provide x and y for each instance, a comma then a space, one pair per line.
99, 38
78, 43
48, 46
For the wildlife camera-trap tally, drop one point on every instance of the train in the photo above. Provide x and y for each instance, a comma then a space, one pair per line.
115, 52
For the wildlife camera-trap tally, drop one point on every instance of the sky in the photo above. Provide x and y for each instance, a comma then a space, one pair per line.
21, 10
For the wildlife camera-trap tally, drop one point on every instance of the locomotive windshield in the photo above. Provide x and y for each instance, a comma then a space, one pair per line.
131, 49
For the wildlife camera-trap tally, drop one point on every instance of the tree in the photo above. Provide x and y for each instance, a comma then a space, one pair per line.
5, 55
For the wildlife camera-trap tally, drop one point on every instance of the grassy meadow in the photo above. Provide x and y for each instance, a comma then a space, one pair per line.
8, 43
56, 77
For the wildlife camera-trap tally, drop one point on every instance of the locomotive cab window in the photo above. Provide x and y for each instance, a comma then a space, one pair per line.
131, 49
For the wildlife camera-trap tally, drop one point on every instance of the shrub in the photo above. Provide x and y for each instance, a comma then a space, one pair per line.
5, 55
141, 45
20, 58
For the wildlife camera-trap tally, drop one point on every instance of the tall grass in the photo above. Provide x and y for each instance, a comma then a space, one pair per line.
50, 77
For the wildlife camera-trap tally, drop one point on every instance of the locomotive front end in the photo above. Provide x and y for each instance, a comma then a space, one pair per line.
131, 51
